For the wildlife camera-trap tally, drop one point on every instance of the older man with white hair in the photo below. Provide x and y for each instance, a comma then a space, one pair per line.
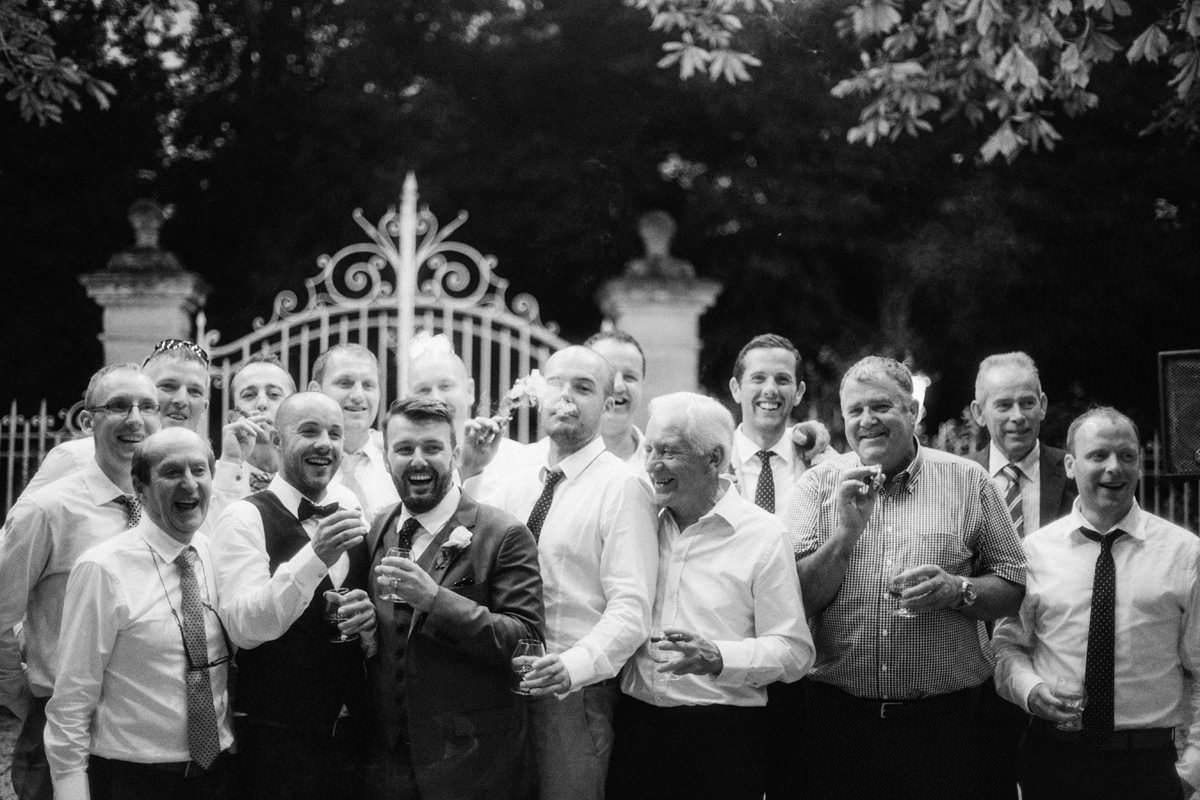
728, 620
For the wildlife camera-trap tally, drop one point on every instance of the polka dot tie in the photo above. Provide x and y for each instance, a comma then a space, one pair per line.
204, 744
1012, 497
133, 509
542, 506
1098, 673
764, 492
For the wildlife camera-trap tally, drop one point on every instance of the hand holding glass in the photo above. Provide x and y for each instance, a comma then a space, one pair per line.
903, 560
663, 655
334, 616
526, 652
1071, 693
392, 591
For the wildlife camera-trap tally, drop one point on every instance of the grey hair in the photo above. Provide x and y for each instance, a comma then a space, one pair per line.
874, 368
1016, 358
707, 423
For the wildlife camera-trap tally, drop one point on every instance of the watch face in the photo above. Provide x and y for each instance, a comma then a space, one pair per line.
969, 594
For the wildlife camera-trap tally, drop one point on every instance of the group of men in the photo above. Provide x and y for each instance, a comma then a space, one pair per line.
715, 609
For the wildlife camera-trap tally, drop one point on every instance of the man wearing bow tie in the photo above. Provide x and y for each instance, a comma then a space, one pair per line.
277, 554
447, 723
46, 531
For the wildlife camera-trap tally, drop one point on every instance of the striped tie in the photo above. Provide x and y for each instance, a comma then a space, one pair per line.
1012, 497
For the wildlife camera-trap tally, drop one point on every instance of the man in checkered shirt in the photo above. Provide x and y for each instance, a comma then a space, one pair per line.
892, 699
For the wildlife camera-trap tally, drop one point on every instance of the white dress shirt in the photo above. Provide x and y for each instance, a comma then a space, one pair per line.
729, 577
431, 521
257, 606
46, 531
1031, 482
121, 691
1157, 621
63, 459
366, 474
597, 556
786, 467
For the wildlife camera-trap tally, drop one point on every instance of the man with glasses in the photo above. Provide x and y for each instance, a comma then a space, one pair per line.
141, 640
45, 533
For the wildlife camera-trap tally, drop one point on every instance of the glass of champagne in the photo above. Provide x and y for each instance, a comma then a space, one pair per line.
526, 652
334, 615
662, 655
392, 590
1071, 692
904, 559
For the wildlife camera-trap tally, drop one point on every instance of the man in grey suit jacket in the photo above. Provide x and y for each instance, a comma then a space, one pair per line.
1010, 403
448, 724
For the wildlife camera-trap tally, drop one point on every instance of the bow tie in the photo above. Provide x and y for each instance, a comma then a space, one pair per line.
309, 509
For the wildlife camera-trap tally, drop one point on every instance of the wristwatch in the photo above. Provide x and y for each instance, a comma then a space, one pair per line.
966, 595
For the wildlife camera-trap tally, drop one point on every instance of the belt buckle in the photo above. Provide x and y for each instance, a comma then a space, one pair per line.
883, 708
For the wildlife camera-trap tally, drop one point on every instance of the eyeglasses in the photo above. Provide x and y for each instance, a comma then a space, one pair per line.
166, 345
123, 407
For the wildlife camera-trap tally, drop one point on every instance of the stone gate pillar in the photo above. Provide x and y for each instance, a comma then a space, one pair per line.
659, 301
145, 293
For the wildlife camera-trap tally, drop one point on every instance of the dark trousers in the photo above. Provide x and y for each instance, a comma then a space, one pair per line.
1052, 769
785, 727
923, 750
687, 752
277, 762
125, 780
1001, 730
30, 772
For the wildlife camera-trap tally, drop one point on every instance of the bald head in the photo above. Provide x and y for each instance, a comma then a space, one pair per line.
579, 386
299, 404
311, 433
172, 474
583, 359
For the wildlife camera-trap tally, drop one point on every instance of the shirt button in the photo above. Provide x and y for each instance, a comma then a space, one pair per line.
883, 633
883, 668
888, 529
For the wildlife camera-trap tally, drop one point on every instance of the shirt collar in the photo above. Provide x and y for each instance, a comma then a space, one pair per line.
730, 510
748, 451
578, 461
162, 543
290, 496
908, 477
998, 461
435, 518
372, 450
1133, 523
101, 488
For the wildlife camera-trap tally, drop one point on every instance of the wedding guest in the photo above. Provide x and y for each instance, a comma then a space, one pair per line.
250, 441
628, 362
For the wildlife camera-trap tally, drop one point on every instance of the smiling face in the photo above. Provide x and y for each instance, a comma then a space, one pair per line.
578, 382
116, 435
683, 479
353, 382
880, 418
310, 433
1106, 463
767, 392
421, 458
1011, 406
628, 371
259, 388
443, 376
179, 482
182, 386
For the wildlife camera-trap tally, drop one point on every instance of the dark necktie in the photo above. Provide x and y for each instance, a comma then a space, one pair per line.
204, 745
764, 492
309, 509
133, 509
1012, 497
542, 506
407, 531
1098, 676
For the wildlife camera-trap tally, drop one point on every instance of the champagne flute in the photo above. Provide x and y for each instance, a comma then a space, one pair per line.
526, 652
392, 590
1071, 692
663, 655
904, 559
334, 615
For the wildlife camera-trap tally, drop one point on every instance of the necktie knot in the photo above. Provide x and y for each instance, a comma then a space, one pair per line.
133, 509
310, 509
187, 556
1106, 541
1012, 472
765, 457
407, 531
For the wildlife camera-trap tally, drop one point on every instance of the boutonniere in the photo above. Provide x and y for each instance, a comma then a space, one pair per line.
459, 539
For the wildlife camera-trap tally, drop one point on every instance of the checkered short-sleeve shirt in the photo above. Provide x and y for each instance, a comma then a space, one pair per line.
949, 507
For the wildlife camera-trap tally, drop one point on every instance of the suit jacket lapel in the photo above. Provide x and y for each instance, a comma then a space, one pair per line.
383, 524
1054, 478
465, 515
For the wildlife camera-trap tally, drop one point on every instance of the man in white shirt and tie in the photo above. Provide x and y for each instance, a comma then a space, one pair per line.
594, 520
349, 373
46, 531
142, 640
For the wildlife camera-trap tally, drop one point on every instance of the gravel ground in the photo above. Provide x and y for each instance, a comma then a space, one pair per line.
8, 735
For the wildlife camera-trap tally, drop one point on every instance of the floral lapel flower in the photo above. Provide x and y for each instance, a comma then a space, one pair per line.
459, 539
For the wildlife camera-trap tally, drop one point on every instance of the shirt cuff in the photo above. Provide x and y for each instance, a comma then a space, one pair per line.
230, 478
735, 658
1023, 686
71, 786
580, 667
308, 569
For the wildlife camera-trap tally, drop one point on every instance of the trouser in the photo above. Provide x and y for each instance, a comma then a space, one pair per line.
109, 779
572, 742
1058, 765
1001, 730
915, 750
785, 726
688, 752
30, 772
278, 762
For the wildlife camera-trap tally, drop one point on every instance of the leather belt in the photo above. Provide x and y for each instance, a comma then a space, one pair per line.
937, 705
1131, 739
188, 769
